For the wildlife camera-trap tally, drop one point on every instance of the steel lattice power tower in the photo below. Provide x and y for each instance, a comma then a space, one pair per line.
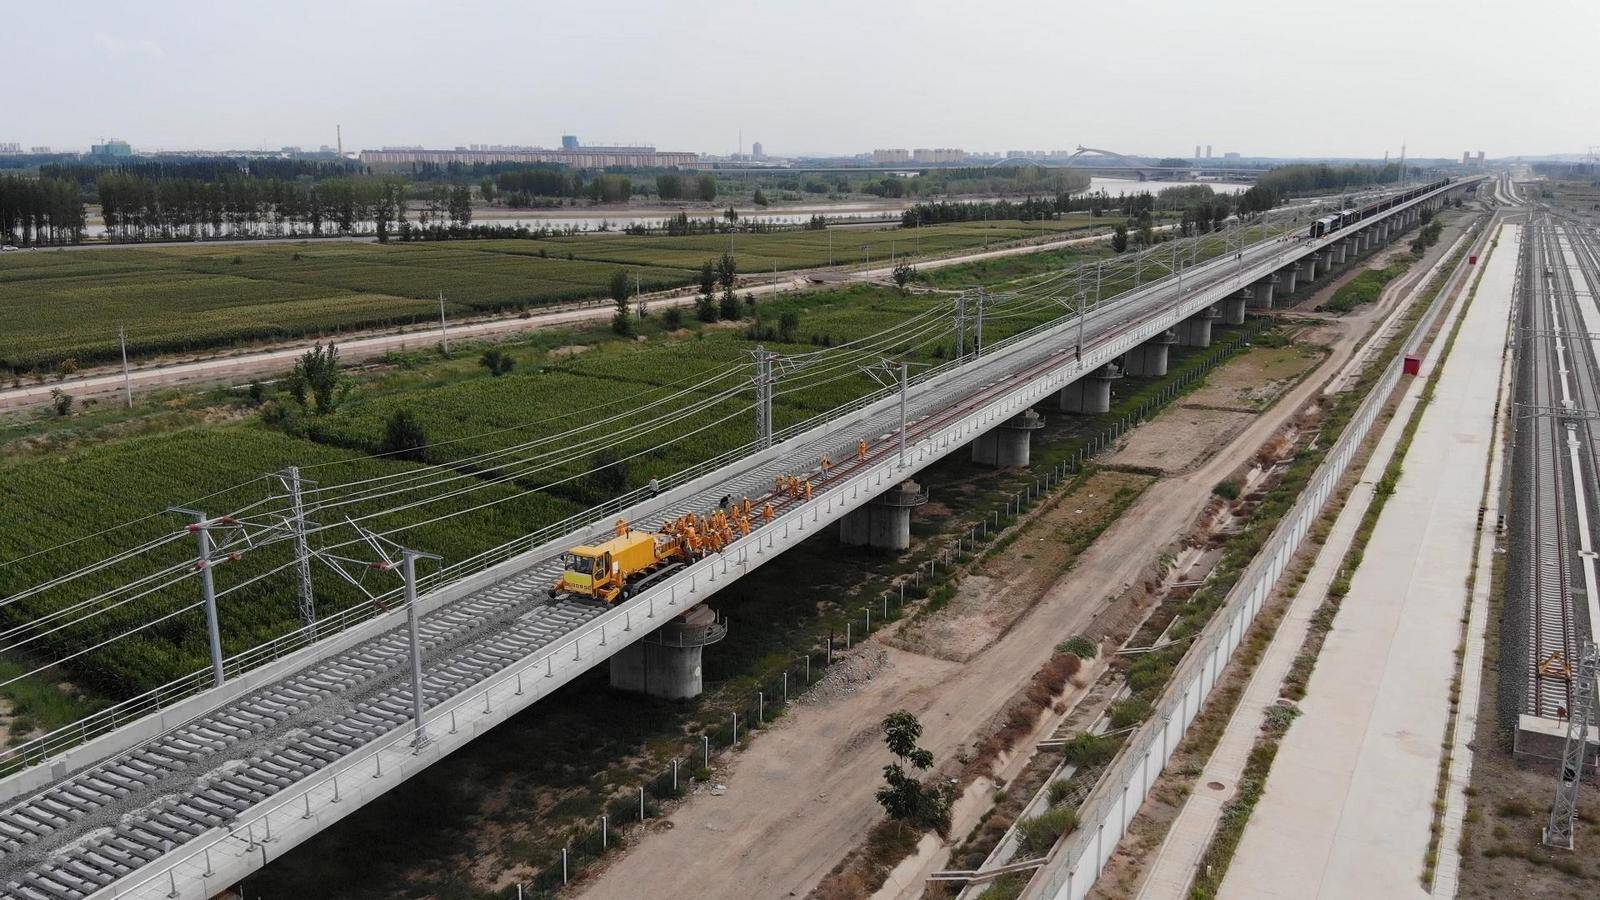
1558, 833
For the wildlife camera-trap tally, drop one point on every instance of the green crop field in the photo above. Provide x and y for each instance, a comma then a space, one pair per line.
509, 454
516, 446
61, 306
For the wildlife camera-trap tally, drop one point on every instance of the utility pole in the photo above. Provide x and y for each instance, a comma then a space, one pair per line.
127, 385
977, 341
1558, 833
410, 572
444, 334
763, 381
1082, 314
302, 551
208, 588
830, 248
905, 389
961, 326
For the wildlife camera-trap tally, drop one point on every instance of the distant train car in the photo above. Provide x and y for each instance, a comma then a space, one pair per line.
1347, 217
1324, 225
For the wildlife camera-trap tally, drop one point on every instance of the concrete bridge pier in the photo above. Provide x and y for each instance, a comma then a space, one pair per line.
1149, 359
1007, 445
1308, 268
1195, 331
885, 521
1326, 262
666, 662
1091, 394
1233, 307
1262, 298
1290, 275
1337, 252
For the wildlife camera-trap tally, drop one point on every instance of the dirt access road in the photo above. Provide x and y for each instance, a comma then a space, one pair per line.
801, 797
357, 346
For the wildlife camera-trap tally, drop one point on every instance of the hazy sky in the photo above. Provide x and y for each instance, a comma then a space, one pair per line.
1268, 77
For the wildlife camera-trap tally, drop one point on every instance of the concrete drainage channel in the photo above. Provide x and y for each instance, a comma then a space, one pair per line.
1191, 569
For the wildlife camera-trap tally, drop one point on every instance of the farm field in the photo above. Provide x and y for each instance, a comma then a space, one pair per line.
513, 450
568, 427
68, 306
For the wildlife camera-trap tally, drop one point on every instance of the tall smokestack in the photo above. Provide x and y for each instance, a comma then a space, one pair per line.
338, 130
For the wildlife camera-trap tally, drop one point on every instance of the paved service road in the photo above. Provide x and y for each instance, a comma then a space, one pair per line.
1349, 801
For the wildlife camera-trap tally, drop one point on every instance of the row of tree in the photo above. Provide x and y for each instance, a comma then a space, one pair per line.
40, 211
676, 186
1308, 178
209, 168
138, 208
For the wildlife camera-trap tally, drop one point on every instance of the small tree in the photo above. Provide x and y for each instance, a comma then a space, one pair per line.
760, 199
903, 273
622, 319
705, 308
404, 437
61, 400
729, 308
708, 277
316, 372
788, 324
904, 797
497, 361
727, 271
672, 319
1119, 239
619, 285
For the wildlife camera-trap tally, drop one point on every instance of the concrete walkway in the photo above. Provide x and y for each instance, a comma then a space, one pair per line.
1174, 866
1350, 800
1500, 276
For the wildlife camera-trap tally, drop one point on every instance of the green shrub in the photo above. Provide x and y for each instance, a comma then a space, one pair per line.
1129, 712
1079, 646
1037, 835
1088, 749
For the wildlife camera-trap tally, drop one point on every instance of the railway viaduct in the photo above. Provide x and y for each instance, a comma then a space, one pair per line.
184, 792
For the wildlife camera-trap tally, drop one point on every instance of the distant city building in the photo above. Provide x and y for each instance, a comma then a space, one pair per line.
1196, 151
1230, 155
11, 147
757, 151
38, 149
938, 155
1208, 151
112, 147
571, 154
880, 157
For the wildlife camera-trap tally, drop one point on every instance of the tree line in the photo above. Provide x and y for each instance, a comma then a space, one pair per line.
40, 211
208, 168
1303, 178
139, 208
